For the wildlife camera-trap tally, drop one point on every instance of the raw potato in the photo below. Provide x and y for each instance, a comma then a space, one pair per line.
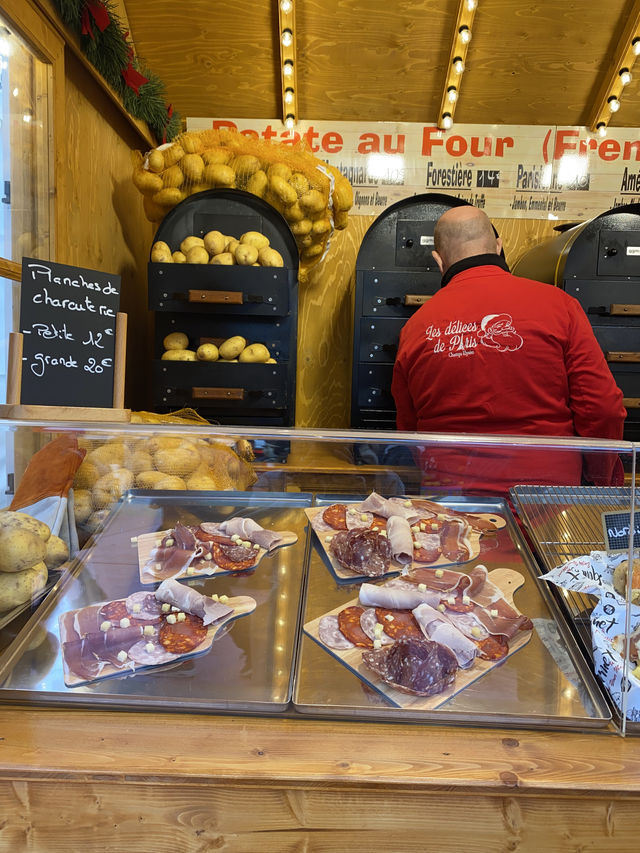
82, 505
106, 456
21, 521
294, 213
207, 352
201, 480
255, 238
232, 245
246, 255
192, 166
299, 182
620, 580
255, 353
86, 476
168, 197
178, 258
173, 177
215, 242
139, 461
172, 155
271, 361
282, 189
232, 347
340, 219
191, 142
219, 175
161, 253
173, 484
179, 355
176, 340
57, 552
215, 156
20, 587
147, 182
97, 519
321, 226
342, 195
246, 164
312, 201
189, 243
270, 258
155, 161
301, 228
226, 259
148, 479
111, 487
20, 549
197, 255
280, 170
181, 461
258, 183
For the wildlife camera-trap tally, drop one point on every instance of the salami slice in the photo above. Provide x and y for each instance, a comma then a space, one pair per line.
114, 611
143, 606
331, 635
349, 624
368, 622
204, 536
181, 637
428, 547
401, 624
230, 557
336, 516
493, 648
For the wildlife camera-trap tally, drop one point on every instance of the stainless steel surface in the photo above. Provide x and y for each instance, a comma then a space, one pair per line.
248, 669
547, 682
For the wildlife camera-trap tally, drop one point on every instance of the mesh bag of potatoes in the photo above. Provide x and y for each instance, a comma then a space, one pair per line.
163, 462
313, 196
28, 550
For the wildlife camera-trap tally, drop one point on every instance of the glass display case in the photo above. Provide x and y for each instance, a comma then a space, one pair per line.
307, 573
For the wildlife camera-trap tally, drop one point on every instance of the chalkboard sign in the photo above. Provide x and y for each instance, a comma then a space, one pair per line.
616, 526
68, 319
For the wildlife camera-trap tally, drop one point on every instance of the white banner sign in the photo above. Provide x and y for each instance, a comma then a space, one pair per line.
512, 171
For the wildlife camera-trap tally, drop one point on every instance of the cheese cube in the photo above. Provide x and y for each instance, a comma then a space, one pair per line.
214, 597
416, 528
388, 617
148, 631
493, 613
170, 542
363, 516
246, 544
137, 608
476, 631
224, 598
171, 619
378, 629
377, 644
104, 626
466, 599
439, 573
408, 503
423, 526
125, 623
383, 533
451, 599
165, 608
181, 617
191, 570
256, 547
134, 539
149, 647
175, 609
441, 608
422, 587
122, 656
208, 556
328, 538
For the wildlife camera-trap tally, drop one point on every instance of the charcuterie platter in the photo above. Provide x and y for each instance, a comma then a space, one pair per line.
422, 640
143, 632
191, 551
379, 537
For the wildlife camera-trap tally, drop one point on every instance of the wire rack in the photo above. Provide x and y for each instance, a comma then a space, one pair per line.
566, 522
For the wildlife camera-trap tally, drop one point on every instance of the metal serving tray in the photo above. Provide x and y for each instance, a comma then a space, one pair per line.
546, 683
248, 669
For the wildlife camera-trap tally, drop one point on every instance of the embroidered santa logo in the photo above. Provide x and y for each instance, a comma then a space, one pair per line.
497, 332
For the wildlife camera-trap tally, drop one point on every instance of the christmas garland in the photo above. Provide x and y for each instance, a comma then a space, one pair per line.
104, 42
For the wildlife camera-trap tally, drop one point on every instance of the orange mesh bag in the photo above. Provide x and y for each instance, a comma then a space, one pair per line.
313, 197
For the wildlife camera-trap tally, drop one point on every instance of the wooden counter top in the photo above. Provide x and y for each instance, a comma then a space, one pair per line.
95, 780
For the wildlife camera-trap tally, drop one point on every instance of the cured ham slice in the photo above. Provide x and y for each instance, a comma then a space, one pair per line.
168, 560
191, 601
143, 605
416, 666
445, 580
454, 540
250, 530
437, 627
396, 595
400, 539
388, 506
501, 618
480, 524
478, 575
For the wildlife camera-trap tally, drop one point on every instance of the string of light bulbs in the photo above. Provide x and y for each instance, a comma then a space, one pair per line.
456, 66
607, 102
288, 70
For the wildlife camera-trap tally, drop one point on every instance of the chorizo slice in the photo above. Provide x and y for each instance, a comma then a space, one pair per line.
349, 624
493, 648
230, 557
182, 637
336, 516
399, 624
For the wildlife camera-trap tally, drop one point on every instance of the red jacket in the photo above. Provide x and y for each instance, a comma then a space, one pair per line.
492, 353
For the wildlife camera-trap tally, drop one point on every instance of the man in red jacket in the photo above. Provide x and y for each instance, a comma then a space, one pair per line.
492, 353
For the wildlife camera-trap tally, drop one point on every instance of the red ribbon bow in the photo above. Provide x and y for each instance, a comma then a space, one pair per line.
99, 14
134, 79
169, 114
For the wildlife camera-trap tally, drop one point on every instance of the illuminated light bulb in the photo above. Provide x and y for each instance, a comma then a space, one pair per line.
287, 69
458, 65
287, 38
471, 4
288, 95
15, 92
635, 44
286, 6
601, 128
465, 34
5, 46
614, 104
289, 121
625, 76
26, 118
452, 94
447, 121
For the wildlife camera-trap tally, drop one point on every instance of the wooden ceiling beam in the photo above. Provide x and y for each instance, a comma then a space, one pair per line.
457, 57
613, 83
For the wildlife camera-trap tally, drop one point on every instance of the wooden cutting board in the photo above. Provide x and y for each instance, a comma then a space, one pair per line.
242, 605
341, 573
148, 541
507, 581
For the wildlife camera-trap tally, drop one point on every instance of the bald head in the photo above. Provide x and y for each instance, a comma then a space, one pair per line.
462, 232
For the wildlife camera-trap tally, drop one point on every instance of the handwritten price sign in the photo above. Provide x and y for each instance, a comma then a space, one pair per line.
68, 319
617, 526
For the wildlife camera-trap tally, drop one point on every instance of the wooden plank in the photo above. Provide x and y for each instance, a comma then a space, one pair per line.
64, 413
10, 269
